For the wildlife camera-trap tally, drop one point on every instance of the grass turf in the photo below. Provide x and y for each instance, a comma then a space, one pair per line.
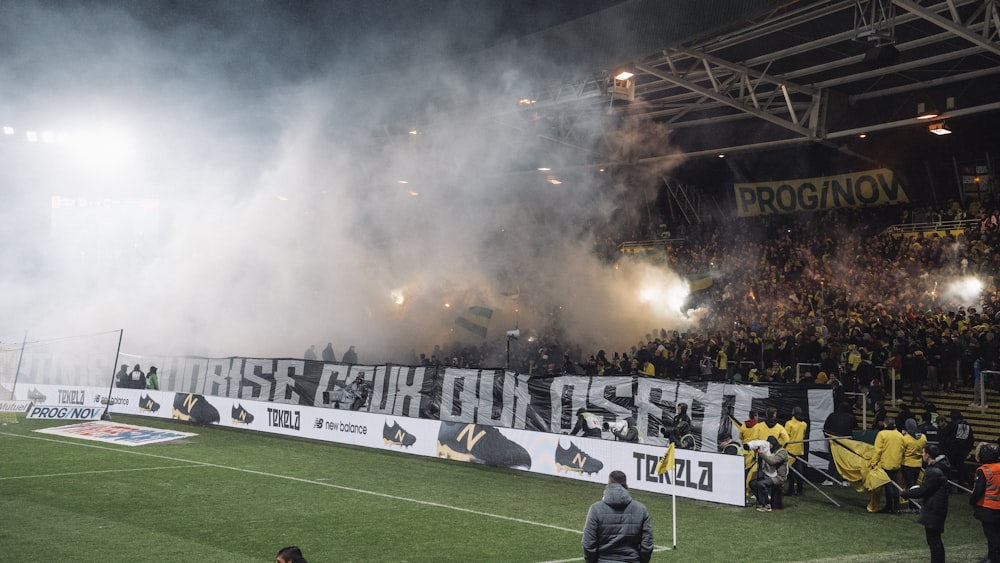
232, 496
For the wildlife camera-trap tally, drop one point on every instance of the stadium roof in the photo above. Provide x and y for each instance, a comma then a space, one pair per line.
737, 76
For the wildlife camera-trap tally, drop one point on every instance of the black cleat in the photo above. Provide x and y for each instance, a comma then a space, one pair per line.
194, 408
395, 435
575, 459
241, 416
477, 443
36, 396
147, 404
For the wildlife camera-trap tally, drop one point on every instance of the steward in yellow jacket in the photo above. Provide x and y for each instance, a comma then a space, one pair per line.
888, 454
797, 429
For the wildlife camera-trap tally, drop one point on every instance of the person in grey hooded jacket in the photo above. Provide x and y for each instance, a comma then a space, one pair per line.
617, 528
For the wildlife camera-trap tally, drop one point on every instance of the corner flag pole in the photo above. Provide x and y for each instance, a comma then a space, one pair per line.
664, 466
114, 370
673, 507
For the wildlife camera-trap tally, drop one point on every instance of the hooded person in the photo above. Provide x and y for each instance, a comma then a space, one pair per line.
683, 438
914, 443
630, 433
350, 356
934, 490
617, 528
772, 461
956, 440
729, 446
682, 414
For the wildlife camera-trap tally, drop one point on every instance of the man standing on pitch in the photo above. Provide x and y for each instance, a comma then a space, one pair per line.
617, 528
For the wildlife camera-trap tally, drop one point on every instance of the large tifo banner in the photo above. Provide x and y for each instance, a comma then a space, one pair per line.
465, 414
861, 189
489, 397
712, 477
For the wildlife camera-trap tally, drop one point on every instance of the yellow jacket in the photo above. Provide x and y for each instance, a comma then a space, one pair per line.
778, 431
888, 452
796, 432
913, 449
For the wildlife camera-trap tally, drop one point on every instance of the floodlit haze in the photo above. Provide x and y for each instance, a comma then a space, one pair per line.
260, 189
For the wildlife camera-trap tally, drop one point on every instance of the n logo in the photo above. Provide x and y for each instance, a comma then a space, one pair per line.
190, 401
400, 435
579, 460
470, 439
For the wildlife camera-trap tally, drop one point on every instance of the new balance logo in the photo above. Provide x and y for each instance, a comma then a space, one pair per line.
241, 416
395, 435
194, 408
471, 438
480, 444
147, 404
574, 459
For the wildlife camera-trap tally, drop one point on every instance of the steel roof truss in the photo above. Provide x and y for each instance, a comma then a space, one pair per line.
955, 25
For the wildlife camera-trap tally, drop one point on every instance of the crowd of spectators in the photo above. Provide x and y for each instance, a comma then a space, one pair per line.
816, 297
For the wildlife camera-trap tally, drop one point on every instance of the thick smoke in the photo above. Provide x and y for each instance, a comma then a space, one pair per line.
291, 179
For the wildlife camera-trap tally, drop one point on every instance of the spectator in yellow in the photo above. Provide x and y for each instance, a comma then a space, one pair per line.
913, 455
888, 454
772, 427
797, 428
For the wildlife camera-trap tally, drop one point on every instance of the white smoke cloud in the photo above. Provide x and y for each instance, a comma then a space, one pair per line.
277, 151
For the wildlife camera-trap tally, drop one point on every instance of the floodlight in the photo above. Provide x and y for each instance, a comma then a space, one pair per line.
939, 128
926, 111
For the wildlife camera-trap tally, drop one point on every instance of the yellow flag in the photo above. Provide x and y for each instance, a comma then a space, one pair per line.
667, 461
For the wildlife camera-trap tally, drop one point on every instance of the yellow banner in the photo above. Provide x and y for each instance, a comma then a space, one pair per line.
861, 189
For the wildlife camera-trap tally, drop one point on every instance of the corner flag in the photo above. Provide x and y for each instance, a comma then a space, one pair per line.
667, 461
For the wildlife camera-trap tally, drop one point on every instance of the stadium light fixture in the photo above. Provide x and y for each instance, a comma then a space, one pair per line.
939, 128
926, 111
623, 85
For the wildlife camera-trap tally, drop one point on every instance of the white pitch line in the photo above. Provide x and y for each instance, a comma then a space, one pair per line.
321, 484
302, 480
97, 471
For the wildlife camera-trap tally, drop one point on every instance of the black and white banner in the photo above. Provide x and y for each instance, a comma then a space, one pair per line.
488, 397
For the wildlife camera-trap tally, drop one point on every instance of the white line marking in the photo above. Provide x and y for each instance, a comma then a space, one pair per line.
301, 480
97, 471
315, 482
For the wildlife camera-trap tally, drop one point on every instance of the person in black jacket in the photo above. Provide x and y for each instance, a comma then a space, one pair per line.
956, 441
123, 379
934, 491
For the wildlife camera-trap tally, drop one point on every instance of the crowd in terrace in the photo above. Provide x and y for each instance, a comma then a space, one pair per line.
836, 291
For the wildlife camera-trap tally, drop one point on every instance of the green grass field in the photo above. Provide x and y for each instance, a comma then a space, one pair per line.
231, 496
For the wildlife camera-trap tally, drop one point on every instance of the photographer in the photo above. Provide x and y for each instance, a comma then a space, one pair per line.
625, 432
587, 423
356, 394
